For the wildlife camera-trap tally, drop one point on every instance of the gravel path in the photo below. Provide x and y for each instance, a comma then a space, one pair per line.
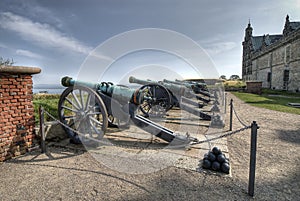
73, 174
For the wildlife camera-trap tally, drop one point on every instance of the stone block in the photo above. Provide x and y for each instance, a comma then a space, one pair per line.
254, 87
55, 131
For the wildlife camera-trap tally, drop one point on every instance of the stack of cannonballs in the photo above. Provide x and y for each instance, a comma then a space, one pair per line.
216, 160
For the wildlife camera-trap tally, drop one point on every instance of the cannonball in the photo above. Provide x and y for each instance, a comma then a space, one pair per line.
205, 156
215, 165
221, 158
225, 168
216, 151
206, 164
211, 156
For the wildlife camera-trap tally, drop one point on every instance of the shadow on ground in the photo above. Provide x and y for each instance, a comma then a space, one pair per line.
291, 136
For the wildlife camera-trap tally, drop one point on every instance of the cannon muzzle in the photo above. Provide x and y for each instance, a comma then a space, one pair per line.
68, 82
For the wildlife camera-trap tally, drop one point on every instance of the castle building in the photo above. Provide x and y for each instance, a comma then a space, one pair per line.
273, 59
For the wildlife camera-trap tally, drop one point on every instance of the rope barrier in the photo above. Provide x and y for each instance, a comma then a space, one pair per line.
239, 119
106, 142
221, 136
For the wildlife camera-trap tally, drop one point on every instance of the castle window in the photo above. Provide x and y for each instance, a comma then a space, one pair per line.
286, 75
269, 77
287, 54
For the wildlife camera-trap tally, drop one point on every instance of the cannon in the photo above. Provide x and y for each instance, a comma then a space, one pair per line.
180, 96
176, 90
89, 108
197, 87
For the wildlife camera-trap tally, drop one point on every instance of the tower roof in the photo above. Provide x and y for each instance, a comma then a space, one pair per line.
290, 26
249, 25
295, 25
257, 42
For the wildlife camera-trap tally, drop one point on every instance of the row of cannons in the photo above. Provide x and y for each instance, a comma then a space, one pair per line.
89, 108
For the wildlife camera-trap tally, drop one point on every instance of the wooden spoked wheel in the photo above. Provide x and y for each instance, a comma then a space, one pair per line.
157, 100
83, 110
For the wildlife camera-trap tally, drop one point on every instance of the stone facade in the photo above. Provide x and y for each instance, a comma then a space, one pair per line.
273, 59
16, 110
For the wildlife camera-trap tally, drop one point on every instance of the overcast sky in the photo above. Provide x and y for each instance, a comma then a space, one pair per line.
58, 35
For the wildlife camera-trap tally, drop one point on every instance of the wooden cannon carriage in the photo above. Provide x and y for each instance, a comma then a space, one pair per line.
89, 108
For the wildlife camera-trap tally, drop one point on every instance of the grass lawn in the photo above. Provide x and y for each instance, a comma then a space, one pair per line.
50, 104
273, 100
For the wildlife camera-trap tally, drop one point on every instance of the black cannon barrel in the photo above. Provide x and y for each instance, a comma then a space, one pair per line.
188, 85
198, 87
120, 93
176, 89
140, 81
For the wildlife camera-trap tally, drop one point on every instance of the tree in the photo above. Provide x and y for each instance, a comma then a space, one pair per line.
6, 62
234, 77
223, 77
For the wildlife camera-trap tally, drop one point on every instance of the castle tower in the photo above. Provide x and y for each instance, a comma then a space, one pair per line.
287, 27
248, 32
247, 47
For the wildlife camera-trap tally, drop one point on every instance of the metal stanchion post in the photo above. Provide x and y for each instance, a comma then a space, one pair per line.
225, 103
42, 129
231, 111
253, 146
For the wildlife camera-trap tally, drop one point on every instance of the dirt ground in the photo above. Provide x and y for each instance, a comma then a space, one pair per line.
73, 174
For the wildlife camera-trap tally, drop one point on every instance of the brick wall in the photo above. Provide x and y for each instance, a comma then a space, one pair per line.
16, 111
254, 87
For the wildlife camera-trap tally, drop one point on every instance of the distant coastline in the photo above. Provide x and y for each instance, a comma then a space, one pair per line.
48, 88
47, 91
58, 89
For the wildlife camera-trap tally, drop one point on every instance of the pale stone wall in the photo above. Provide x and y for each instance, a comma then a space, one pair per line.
278, 66
263, 76
277, 77
295, 50
295, 66
285, 57
263, 62
255, 69
294, 84
276, 58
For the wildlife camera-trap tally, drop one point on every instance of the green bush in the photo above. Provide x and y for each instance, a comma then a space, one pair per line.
234, 85
49, 102
6, 62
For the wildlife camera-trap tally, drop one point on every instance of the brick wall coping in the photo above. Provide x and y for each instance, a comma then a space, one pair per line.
19, 70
